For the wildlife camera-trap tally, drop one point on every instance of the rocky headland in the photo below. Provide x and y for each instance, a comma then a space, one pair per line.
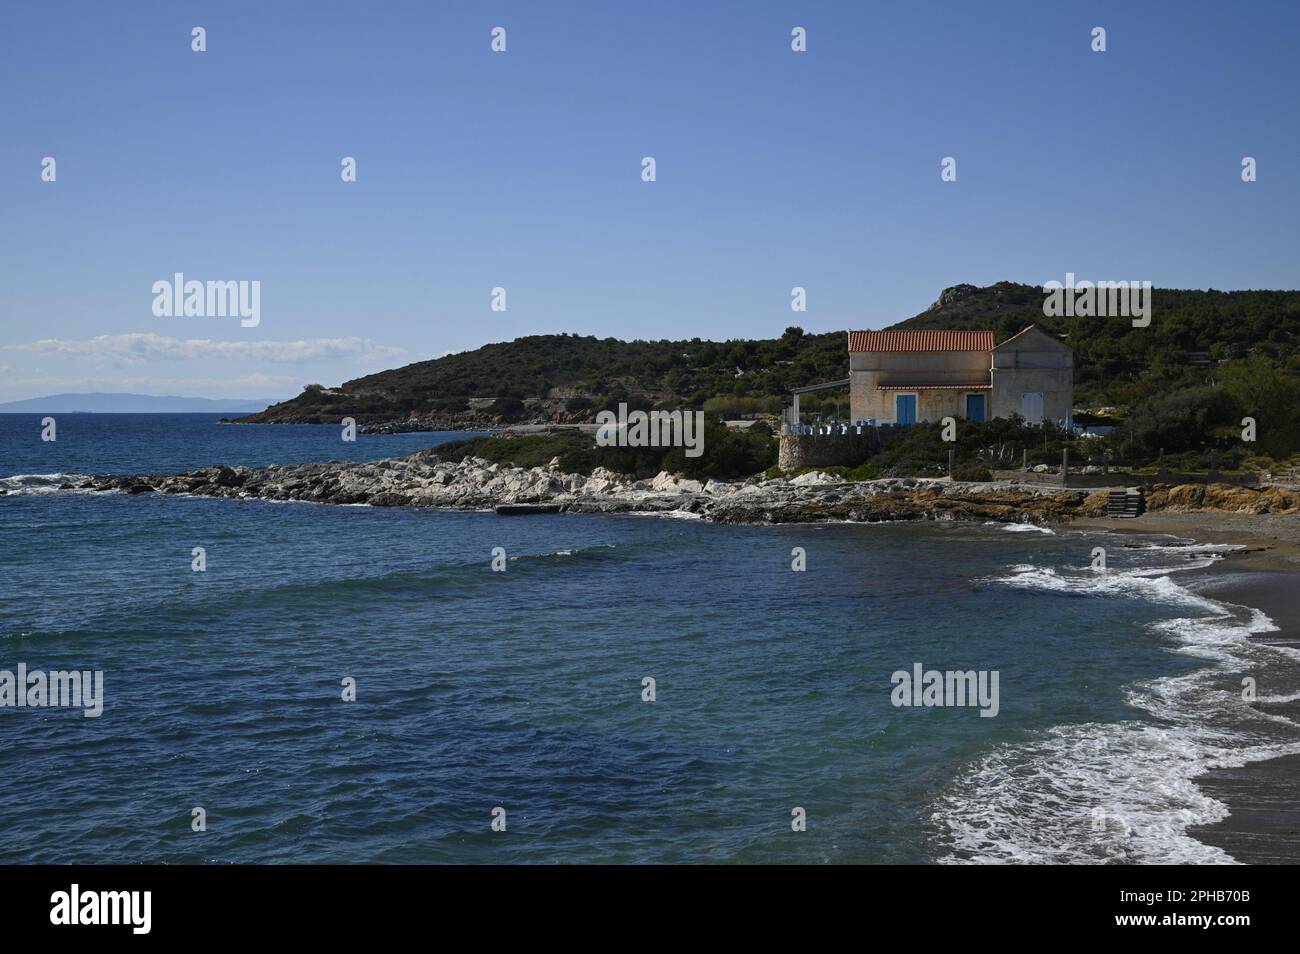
424, 480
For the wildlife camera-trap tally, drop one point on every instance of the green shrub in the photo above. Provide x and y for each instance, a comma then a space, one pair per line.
732, 408
1179, 420
972, 472
727, 454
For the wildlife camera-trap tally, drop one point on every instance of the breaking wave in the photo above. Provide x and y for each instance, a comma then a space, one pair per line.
1125, 792
1024, 528
37, 483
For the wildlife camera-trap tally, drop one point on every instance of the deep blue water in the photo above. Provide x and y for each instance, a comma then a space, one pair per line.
522, 689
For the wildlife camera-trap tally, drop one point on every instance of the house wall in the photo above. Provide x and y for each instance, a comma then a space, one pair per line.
932, 367
867, 369
867, 403
1035, 361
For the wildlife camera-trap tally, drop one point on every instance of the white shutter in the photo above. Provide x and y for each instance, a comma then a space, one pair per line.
1031, 406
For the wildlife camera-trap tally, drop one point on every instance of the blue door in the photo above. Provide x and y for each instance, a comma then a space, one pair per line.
905, 410
975, 407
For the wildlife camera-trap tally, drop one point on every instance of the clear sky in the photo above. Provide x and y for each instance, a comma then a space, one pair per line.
523, 170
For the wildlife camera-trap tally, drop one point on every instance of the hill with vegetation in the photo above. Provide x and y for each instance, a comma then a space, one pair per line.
1184, 383
567, 378
1191, 333
1206, 359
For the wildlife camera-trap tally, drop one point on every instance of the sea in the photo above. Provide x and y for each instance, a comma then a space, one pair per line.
356, 684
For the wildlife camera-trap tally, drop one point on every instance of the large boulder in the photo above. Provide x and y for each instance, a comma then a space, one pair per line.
602, 481
666, 483
1095, 504
813, 478
1222, 497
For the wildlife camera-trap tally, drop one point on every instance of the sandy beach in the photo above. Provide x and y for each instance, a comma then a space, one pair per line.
1263, 797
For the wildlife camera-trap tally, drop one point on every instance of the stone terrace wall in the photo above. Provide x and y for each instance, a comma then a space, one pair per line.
826, 450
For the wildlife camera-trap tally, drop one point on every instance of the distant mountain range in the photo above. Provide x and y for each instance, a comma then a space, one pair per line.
103, 403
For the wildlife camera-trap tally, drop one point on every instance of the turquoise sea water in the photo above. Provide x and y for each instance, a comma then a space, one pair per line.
523, 689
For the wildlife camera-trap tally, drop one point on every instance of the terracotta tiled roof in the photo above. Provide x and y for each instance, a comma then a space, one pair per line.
921, 341
946, 386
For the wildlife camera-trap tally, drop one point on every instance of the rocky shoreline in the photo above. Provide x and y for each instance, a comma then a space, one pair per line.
424, 480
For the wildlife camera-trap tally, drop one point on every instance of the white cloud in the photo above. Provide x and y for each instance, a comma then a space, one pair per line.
139, 348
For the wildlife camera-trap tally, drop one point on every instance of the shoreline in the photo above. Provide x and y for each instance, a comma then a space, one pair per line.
423, 480
1263, 820
1262, 797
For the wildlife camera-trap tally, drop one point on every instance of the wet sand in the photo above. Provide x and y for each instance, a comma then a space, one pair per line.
1263, 797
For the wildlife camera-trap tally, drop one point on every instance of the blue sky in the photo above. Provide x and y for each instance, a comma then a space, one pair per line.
522, 170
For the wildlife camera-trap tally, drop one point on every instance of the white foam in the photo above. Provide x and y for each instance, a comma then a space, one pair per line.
1125, 792
37, 483
662, 514
1142, 583
1095, 793
1287, 697
1194, 547
564, 553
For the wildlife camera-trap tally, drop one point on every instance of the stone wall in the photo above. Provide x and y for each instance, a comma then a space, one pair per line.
827, 450
1033, 362
867, 369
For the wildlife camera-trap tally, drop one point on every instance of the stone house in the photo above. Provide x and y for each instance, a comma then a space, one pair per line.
902, 377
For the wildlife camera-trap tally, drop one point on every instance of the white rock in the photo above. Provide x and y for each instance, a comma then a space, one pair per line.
812, 479
665, 482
